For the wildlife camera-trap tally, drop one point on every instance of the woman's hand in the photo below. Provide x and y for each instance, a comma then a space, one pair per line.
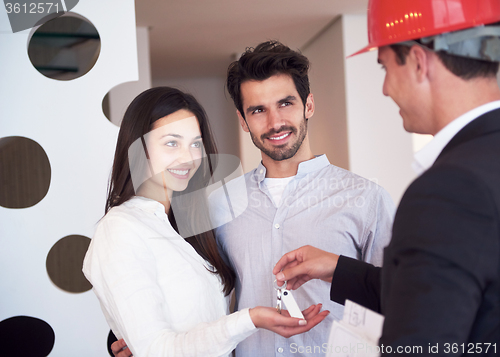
120, 349
262, 317
283, 324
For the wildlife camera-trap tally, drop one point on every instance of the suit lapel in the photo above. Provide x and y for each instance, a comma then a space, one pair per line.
483, 125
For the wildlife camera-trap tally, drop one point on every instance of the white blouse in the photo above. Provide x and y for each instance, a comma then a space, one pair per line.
155, 290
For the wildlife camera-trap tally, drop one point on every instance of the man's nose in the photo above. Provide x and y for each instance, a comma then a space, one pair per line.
384, 87
275, 120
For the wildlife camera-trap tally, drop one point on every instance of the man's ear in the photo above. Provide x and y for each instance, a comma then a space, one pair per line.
309, 109
420, 57
243, 122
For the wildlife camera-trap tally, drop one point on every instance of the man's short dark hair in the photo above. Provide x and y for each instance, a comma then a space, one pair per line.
266, 60
463, 67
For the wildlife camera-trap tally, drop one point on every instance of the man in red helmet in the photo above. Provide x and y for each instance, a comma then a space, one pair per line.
439, 287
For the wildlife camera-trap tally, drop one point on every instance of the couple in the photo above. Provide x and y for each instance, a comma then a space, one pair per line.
164, 294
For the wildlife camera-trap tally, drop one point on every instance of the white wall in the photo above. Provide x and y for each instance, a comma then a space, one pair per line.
123, 94
379, 147
328, 126
66, 119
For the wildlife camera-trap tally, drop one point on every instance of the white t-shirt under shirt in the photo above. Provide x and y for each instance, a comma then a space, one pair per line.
154, 288
276, 186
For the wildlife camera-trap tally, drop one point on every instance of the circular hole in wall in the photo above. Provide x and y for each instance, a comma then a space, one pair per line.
65, 48
106, 107
65, 261
25, 336
117, 99
24, 172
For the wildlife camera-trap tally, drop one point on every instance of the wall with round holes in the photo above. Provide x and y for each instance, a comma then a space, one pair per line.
56, 150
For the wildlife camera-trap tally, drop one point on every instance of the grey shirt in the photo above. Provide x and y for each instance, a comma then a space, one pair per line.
324, 206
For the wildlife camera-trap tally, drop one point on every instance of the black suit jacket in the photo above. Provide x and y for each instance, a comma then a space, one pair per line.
440, 282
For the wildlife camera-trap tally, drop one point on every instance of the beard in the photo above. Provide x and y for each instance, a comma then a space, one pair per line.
285, 151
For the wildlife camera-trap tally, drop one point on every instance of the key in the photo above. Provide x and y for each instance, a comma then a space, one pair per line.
278, 295
284, 295
278, 298
291, 304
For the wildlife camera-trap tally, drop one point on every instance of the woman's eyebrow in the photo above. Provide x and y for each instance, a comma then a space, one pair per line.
174, 135
179, 136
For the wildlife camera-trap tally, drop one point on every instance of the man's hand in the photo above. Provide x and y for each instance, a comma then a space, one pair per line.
283, 324
301, 265
118, 349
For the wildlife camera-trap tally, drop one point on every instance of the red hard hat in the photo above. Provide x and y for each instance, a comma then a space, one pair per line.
393, 21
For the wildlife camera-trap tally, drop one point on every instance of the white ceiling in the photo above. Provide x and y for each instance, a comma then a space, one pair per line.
199, 37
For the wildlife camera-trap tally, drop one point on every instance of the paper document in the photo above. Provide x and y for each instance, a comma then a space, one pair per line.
357, 334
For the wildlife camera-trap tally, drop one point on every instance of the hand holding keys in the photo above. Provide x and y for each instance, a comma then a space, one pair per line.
292, 321
284, 295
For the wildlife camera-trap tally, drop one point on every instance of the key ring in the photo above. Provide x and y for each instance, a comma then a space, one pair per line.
276, 287
278, 295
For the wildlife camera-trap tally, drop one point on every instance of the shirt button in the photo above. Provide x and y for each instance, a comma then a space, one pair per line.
280, 349
261, 171
276, 226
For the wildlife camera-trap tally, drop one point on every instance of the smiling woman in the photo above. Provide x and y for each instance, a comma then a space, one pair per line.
163, 285
145, 151
175, 151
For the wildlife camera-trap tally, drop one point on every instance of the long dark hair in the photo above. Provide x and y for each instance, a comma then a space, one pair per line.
138, 120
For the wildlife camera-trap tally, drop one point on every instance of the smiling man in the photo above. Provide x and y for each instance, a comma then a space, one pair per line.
294, 197
277, 121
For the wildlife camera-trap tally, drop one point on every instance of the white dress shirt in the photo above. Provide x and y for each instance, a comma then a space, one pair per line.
426, 157
155, 290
